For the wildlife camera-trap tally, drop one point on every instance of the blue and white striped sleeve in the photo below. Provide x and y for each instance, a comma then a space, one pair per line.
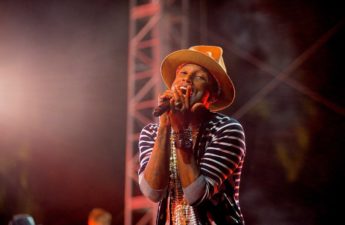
223, 155
146, 143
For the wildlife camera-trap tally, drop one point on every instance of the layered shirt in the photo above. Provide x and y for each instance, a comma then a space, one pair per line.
219, 153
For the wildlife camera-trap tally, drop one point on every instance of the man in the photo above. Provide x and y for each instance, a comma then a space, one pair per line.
191, 161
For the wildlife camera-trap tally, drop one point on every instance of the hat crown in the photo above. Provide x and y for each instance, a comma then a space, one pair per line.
214, 52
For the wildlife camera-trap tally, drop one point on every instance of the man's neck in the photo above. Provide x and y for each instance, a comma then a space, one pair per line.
198, 117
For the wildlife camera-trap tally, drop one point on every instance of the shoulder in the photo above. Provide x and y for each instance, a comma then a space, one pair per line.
151, 127
220, 121
149, 130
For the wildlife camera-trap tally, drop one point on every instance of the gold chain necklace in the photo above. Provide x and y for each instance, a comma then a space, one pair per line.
181, 213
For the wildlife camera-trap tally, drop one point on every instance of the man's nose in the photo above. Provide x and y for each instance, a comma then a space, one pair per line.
187, 78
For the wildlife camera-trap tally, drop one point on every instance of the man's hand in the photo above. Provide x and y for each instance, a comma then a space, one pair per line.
179, 113
164, 120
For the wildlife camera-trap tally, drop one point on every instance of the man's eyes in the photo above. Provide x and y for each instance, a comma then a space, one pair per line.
200, 77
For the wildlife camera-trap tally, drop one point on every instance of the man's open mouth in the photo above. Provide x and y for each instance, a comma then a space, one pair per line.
183, 90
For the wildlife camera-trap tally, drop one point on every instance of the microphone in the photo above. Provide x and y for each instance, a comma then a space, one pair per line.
162, 108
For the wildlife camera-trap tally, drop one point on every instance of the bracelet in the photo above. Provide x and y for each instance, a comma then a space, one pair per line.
183, 140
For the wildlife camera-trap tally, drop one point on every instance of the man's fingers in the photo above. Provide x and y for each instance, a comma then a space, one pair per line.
187, 96
197, 106
165, 96
172, 105
184, 104
177, 101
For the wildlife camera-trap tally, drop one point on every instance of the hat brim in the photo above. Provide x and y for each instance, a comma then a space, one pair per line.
173, 60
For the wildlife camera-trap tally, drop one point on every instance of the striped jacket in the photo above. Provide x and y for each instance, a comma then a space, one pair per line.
220, 155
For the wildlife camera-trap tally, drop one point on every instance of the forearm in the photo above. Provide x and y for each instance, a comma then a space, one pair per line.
193, 183
187, 167
156, 172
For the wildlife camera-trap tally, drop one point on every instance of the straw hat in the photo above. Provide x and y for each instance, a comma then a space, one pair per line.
209, 57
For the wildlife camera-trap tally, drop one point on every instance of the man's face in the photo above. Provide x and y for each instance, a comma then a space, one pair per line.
198, 78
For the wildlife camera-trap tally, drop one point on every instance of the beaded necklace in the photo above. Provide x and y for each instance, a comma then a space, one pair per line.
180, 212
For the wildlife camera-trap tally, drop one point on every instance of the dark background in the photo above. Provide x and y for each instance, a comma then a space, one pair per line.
63, 94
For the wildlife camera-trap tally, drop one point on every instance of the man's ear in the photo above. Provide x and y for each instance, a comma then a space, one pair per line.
215, 92
213, 97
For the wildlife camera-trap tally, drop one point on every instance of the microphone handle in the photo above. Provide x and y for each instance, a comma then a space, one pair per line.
159, 110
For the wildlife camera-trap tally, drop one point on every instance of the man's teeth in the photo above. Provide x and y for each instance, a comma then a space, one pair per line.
183, 89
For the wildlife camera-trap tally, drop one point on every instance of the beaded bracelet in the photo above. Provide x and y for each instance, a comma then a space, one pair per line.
183, 140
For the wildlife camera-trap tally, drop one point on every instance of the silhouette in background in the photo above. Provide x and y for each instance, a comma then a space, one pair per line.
22, 219
99, 216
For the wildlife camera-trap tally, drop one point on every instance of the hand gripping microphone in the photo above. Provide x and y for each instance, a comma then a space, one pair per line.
162, 108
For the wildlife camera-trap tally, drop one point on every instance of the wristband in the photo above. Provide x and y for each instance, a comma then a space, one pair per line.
183, 140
